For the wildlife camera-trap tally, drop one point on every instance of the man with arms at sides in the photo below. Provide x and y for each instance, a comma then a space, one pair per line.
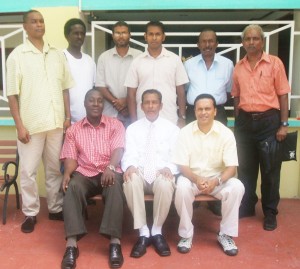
38, 80
157, 68
207, 158
260, 91
91, 152
148, 169
210, 73
112, 68
82, 67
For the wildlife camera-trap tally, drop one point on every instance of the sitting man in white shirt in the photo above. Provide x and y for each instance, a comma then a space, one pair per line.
148, 169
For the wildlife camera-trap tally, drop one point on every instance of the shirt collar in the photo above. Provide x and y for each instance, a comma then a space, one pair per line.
29, 47
148, 123
216, 58
214, 129
86, 123
164, 52
264, 57
129, 52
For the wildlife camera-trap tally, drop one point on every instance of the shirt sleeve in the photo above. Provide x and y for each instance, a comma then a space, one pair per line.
118, 135
131, 155
13, 76
69, 150
180, 154
132, 80
100, 75
181, 75
68, 81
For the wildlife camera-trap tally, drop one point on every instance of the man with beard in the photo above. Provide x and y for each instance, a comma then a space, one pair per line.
112, 69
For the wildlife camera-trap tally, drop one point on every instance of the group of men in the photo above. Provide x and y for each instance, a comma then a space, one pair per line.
123, 138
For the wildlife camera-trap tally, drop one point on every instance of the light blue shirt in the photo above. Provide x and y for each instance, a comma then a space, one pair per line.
216, 81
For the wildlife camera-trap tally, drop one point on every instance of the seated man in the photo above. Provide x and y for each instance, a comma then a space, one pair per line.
148, 169
207, 158
92, 151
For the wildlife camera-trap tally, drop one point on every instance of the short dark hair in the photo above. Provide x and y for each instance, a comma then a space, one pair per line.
157, 24
207, 30
120, 23
26, 14
152, 91
205, 96
70, 23
89, 91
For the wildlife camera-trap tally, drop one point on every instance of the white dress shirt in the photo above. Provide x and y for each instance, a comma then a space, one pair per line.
165, 133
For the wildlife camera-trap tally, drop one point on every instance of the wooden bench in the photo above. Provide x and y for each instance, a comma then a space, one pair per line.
9, 159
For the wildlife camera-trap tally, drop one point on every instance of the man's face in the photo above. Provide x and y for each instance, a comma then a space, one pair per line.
205, 112
34, 25
76, 36
207, 43
253, 42
154, 37
121, 36
151, 106
94, 104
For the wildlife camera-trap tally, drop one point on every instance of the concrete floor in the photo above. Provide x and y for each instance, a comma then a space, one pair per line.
45, 247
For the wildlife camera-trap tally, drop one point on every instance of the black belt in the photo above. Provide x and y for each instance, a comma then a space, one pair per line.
261, 115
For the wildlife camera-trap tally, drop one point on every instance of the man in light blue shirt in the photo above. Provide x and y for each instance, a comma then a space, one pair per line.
209, 73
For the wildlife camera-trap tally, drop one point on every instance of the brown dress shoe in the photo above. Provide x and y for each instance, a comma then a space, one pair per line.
28, 224
69, 259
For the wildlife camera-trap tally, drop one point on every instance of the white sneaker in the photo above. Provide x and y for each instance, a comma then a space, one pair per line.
227, 244
185, 245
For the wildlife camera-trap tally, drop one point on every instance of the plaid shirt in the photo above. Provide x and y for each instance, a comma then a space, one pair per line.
91, 146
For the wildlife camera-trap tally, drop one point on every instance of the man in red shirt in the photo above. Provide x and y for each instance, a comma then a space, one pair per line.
260, 91
92, 152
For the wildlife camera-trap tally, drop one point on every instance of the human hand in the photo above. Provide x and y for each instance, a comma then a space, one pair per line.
281, 133
120, 104
65, 183
129, 172
23, 135
107, 178
165, 172
67, 124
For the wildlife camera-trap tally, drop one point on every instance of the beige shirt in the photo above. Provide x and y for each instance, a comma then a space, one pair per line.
38, 78
111, 73
163, 73
206, 154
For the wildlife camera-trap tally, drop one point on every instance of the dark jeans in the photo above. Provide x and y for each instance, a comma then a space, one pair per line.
75, 201
221, 114
250, 131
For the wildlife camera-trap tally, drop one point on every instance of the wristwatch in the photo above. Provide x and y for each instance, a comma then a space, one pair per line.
111, 167
284, 124
182, 117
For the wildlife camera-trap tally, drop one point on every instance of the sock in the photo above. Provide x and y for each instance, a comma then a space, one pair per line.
144, 231
115, 240
155, 230
71, 241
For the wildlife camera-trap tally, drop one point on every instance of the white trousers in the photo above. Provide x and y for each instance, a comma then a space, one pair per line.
45, 146
163, 190
230, 193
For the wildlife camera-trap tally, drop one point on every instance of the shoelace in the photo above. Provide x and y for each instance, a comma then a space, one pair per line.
185, 242
227, 242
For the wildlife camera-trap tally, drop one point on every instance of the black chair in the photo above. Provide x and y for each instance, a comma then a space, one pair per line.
9, 159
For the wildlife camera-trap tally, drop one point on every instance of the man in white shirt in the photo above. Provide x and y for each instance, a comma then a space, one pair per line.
148, 169
112, 68
210, 73
157, 68
82, 67
206, 155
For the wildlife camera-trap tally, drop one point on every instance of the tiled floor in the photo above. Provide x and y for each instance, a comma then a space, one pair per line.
44, 247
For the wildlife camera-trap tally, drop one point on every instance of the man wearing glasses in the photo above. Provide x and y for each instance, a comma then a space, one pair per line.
112, 69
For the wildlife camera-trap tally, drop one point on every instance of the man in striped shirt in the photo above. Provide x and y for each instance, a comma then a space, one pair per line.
91, 153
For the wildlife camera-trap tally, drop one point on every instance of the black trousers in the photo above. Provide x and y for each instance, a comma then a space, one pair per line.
221, 114
251, 130
75, 201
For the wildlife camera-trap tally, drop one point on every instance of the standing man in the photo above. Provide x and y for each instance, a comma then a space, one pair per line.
92, 152
112, 69
157, 68
208, 73
207, 158
148, 169
81, 65
260, 91
38, 80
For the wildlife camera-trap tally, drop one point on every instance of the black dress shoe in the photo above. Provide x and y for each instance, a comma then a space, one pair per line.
56, 216
161, 246
115, 256
28, 224
139, 249
69, 259
270, 222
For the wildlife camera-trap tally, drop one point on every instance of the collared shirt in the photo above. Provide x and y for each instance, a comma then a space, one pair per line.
38, 78
162, 73
83, 71
216, 80
91, 146
165, 133
206, 154
259, 88
111, 73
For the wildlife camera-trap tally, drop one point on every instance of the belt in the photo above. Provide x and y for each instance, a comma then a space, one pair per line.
261, 115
